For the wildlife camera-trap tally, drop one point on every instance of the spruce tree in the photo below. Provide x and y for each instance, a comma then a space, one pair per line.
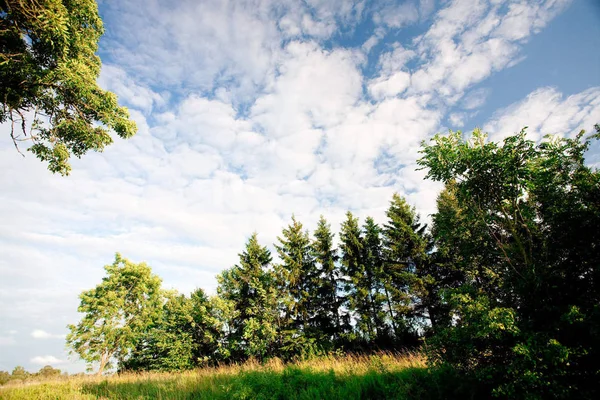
297, 276
373, 274
250, 288
328, 300
357, 286
405, 253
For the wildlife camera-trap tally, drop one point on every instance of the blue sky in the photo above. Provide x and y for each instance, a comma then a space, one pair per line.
251, 110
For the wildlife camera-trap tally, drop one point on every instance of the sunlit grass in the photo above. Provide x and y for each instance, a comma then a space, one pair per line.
381, 376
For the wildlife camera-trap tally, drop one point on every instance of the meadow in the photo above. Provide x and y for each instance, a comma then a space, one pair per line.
380, 376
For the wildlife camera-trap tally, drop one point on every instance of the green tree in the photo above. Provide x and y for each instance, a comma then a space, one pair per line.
225, 316
356, 287
328, 299
168, 344
406, 246
527, 319
116, 313
48, 372
48, 70
19, 373
449, 266
206, 328
373, 276
297, 281
4, 377
250, 288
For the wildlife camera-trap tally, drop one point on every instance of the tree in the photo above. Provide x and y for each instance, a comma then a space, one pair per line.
527, 320
297, 278
352, 264
4, 377
373, 276
206, 328
328, 299
48, 372
250, 288
116, 313
19, 373
48, 70
406, 246
449, 265
168, 344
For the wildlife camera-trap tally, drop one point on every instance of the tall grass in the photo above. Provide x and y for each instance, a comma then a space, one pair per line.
380, 376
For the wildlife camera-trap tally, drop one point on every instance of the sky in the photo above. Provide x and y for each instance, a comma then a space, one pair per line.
250, 111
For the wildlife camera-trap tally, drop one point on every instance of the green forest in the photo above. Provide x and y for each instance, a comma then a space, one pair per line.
501, 290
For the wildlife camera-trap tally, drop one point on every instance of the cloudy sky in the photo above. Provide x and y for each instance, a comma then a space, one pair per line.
251, 110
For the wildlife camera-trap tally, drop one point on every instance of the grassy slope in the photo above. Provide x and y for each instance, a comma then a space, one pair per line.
375, 377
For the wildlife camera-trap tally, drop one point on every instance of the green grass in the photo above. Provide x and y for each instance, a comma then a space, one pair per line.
381, 376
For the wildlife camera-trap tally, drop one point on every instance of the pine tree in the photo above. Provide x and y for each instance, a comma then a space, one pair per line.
405, 252
250, 288
373, 274
205, 330
357, 286
328, 300
297, 276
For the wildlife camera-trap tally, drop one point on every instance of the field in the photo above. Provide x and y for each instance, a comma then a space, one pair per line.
382, 376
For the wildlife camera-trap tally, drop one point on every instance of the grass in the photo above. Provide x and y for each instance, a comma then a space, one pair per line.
381, 376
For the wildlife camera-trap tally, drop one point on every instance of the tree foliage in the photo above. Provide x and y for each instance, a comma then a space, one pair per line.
48, 70
250, 288
117, 312
523, 230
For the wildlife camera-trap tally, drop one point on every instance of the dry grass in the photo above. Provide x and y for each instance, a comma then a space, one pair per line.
383, 375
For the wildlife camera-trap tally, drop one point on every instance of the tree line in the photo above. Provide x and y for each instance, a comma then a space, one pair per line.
20, 374
502, 289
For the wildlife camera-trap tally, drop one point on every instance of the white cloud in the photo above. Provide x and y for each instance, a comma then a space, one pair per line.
41, 334
398, 15
469, 40
457, 120
46, 360
115, 79
475, 98
546, 111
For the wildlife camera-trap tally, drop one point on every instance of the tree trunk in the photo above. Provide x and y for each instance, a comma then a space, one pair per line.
103, 362
387, 295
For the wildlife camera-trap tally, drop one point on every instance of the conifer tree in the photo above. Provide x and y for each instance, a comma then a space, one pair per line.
405, 252
373, 274
205, 330
297, 276
328, 300
250, 288
357, 287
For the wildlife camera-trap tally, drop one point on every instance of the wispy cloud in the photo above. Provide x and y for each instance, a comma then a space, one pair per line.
546, 111
41, 334
46, 360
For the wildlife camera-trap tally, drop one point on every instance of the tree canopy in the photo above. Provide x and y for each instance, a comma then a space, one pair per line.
48, 70
116, 313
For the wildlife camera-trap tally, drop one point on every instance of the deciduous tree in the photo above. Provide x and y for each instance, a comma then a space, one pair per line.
48, 70
116, 313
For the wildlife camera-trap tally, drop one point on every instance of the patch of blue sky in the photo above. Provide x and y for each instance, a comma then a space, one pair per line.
564, 55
